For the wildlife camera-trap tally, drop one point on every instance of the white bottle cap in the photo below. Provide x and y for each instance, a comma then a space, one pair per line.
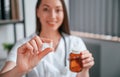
75, 51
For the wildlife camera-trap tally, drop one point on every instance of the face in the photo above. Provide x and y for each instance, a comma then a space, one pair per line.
50, 14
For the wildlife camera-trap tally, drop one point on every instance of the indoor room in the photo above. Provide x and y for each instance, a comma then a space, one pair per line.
96, 22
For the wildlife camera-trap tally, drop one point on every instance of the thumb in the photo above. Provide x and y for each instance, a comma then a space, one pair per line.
44, 52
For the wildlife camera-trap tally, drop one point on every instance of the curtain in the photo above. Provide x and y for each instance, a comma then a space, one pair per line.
95, 16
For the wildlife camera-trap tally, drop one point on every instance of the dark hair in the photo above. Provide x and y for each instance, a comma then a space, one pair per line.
64, 26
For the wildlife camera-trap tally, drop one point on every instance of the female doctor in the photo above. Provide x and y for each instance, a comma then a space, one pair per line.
28, 57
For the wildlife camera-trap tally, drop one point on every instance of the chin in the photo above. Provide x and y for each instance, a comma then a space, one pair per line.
54, 27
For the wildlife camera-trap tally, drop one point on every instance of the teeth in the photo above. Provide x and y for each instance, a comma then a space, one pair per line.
51, 22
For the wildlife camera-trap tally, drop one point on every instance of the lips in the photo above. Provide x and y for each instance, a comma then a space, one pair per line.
51, 22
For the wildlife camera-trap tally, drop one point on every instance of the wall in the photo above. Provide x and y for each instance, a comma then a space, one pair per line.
106, 54
95, 16
6, 31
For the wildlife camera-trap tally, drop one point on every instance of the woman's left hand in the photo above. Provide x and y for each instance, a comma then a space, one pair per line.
87, 59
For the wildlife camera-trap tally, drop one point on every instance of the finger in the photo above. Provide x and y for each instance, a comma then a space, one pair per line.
45, 40
28, 54
84, 52
28, 48
47, 43
21, 49
39, 43
87, 60
25, 47
34, 45
89, 65
44, 52
86, 55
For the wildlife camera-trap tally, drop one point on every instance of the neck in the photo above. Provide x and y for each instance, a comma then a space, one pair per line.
50, 35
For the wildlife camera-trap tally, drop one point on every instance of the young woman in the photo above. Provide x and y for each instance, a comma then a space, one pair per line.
28, 57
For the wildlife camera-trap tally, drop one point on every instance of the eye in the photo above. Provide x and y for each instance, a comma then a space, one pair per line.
45, 9
59, 10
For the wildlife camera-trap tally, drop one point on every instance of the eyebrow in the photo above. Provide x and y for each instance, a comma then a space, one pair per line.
45, 5
49, 6
59, 7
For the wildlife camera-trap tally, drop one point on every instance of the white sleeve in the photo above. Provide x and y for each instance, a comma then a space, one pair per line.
13, 53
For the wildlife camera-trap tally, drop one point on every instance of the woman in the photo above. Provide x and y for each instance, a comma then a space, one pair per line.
28, 57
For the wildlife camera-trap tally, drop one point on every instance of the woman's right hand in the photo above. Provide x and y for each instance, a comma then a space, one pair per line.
30, 53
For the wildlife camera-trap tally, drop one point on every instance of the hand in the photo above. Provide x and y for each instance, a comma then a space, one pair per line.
30, 53
87, 60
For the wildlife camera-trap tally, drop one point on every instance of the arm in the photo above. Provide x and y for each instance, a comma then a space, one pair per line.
88, 62
84, 73
10, 70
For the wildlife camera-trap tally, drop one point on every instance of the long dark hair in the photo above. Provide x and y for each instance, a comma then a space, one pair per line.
64, 26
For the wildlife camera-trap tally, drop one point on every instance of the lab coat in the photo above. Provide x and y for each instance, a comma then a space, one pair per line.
53, 64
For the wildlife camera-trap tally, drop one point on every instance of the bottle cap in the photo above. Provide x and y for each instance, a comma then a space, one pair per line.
76, 52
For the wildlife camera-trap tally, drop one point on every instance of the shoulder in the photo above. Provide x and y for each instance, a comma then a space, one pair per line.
73, 38
24, 40
75, 42
76, 38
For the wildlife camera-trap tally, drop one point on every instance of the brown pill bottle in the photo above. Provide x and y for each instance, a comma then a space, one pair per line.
75, 62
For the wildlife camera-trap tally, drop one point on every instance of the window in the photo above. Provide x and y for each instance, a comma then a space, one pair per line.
95, 16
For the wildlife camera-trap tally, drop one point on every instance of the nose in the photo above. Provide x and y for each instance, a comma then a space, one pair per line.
52, 14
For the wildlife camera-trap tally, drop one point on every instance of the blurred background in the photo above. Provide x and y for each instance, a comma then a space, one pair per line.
97, 22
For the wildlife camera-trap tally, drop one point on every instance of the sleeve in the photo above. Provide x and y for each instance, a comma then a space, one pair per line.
77, 44
13, 53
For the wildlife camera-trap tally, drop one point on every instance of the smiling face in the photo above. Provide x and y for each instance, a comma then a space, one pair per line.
50, 14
